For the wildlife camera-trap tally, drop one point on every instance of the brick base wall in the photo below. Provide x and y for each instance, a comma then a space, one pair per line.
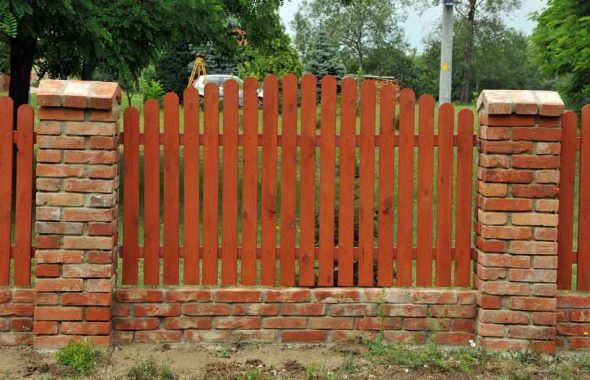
573, 321
293, 315
16, 317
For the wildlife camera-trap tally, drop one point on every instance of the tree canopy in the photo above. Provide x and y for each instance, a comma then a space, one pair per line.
562, 47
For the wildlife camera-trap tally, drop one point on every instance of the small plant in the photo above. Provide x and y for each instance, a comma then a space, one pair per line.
81, 357
149, 369
253, 374
311, 371
349, 366
151, 89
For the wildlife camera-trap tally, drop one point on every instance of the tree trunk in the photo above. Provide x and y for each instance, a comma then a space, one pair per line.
22, 53
468, 54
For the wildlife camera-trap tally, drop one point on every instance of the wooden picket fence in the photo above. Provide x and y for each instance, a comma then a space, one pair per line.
575, 163
356, 256
16, 197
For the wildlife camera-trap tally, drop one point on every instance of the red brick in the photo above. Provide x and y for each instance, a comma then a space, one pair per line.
86, 328
47, 270
493, 161
300, 336
503, 317
50, 156
16, 339
507, 120
303, 309
547, 205
322, 323
453, 338
503, 176
503, 261
49, 128
47, 242
453, 311
136, 324
425, 324
205, 309
535, 191
505, 204
44, 328
284, 323
99, 285
255, 309
287, 295
91, 157
159, 336
48, 213
545, 290
88, 299
101, 142
490, 302
534, 219
90, 129
580, 315
48, 299
99, 257
46, 113
14, 309
533, 303
58, 285
509, 233
112, 115
532, 275
88, 215
503, 288
182, 296
336, 295
60, 171
490, 329
98, 314
486, 245
378, 323
238, 295
47, 313
103, 172
533, 248
531, 332
89, 185
536, 134
236, 323
434, 296
547, 176
88, 242
490, 133
405, 310
535, 162
505, 147
138, 295
60, 142
163, 310
548, 148
60, 199
544, 318
21, 324
547, 234
49, 184
492, 189
486, 273
183, 323
87, 270
405, 336
361, 310
572, 300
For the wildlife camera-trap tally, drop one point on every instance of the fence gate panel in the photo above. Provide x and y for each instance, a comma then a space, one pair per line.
323, 194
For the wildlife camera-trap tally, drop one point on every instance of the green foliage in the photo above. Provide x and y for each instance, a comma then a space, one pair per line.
151, 89
275, 56
311, 371
81, 357
149, 369
562, 47
11, 11
323, 58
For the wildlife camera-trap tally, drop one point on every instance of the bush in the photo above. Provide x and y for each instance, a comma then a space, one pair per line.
149, 369
81, 357
151, 89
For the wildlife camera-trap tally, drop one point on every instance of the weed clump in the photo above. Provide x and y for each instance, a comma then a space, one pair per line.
149, 369
81, 357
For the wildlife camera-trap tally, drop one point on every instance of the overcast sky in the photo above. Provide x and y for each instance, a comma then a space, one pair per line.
418, 26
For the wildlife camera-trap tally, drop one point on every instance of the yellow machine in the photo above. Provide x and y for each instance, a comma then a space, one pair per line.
199, 69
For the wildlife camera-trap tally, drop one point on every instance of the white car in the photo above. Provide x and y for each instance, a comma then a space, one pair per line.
219, 80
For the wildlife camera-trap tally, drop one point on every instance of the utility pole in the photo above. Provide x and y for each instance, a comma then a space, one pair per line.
446, 53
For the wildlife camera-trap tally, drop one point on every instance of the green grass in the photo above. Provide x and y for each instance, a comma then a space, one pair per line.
81, 357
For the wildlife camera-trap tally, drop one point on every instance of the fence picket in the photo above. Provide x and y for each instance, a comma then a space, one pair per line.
131, 197
308, 178
6, 162
406, 188
567, 181
464, 213
24, 197
444, 216
347, 183
327, 181
249, 182
192, 234
229, 205
151, 193
366, 183
425, 188
386, 186
584, 206
210, 184
288, 180
269, 181
171, 189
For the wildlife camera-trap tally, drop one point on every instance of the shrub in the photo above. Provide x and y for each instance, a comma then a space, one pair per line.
149, 369
81, 357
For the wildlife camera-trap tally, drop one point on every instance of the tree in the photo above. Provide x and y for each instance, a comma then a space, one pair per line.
357, 26
562, 46
323, 57
502, 59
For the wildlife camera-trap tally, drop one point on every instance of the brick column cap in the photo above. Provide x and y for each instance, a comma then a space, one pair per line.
78, 94
521, 102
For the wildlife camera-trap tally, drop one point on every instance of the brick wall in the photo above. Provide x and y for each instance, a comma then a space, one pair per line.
293, 315
573, 321
16, 317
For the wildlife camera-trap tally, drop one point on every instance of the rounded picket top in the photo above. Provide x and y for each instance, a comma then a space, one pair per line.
211, 88
426, 100
466, 119
289, 78
190, 94
407, 94
447, 107
328, 80
308, 80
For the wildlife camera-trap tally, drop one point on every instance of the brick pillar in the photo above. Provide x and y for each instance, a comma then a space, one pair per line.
516, 218
76, 219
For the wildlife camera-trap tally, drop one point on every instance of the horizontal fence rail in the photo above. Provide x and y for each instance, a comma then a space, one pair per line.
573, 268
16, 193
324, 199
